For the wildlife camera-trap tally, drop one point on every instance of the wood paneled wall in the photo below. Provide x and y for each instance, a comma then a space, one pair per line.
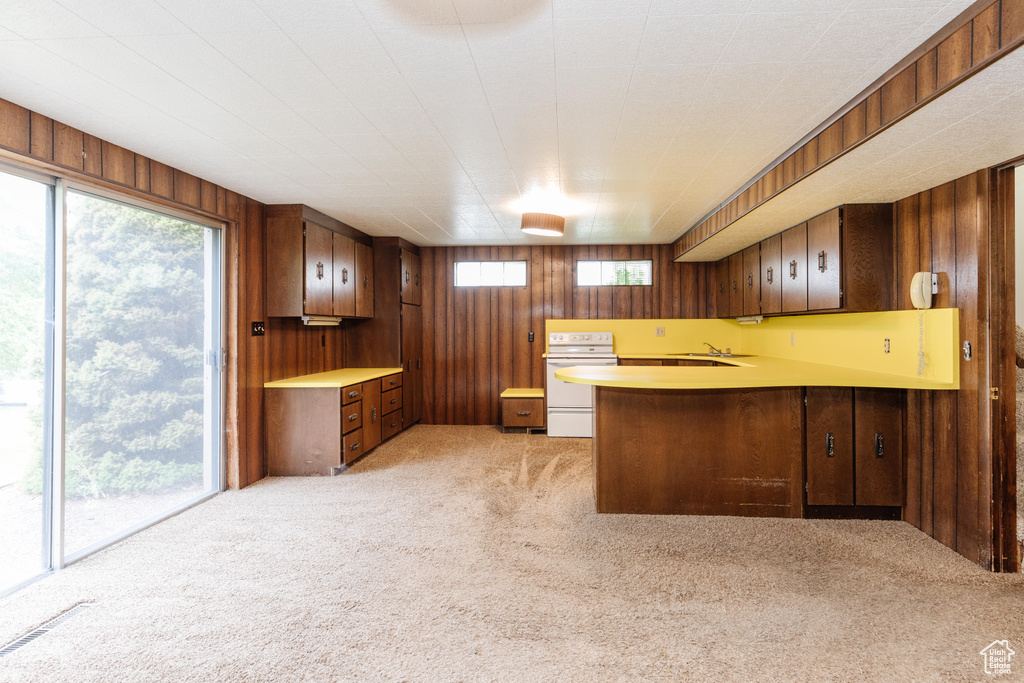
949, 457
975, 39
475, 341
34, 140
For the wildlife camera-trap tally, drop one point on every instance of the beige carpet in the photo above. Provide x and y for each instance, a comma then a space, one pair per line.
461, 554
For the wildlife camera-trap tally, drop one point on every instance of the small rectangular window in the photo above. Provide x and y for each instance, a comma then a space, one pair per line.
601, 273
490, 273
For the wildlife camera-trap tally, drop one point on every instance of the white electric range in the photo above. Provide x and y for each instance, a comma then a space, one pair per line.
571, 406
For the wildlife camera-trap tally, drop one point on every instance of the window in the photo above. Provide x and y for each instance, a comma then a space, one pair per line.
490, 273
110, 370
599, 273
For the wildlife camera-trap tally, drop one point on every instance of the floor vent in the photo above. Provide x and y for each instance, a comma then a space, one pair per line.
44, 629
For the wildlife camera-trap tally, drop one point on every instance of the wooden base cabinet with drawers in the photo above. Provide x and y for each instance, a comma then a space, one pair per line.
314, 431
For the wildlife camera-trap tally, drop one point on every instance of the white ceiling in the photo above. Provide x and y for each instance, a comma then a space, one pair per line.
438, 120
976, 125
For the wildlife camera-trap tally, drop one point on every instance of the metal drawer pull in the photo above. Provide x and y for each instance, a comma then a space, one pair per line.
721, 288
771, 275
830, 445
417, 279
393, 424
353, 417
522, 413
822, 261
319, 270
344, 276
750, 281
373, 414
353, 394
879, 449
394, 382
354, 446
407, 276
394, 401
734, 285
366, 280
792, 270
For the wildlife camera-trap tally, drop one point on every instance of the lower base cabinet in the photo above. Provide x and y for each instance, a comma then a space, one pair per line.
312, 431
854, 446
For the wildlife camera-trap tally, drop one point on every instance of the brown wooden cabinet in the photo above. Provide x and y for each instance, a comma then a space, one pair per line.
854, 446
312, 265
364, 280
310, 431
771, 275
839, 261
751, 280
829, 444
794, 269
722, 309
412, 358
344, 276
412, 290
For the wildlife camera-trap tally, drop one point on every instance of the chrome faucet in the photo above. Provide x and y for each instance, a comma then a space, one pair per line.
712, 351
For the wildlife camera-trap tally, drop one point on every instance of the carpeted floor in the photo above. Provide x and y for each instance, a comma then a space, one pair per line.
461, 554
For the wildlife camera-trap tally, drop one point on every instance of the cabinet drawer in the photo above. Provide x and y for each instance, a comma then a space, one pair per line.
351, 417
351, 393
390, 382
352, 444
392, 425
522, 412
391, 401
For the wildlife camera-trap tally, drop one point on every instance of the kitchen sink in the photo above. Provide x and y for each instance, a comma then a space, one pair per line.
705, 354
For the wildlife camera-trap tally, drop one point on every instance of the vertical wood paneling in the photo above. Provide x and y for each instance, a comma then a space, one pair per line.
15, 127
954, 56
986, 33
476, 340
41, 129
899, 94
92, 155
68, 146
118, 164
1012, 25
161, 179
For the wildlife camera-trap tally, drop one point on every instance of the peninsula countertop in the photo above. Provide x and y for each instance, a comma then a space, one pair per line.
745, 372
332, 378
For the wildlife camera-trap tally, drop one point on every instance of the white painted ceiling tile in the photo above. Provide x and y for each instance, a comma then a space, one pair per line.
438, 48
597, 42
126, 17
783, 37
299, 16
39, 19
490, 12
699, 39
511, 46
353, 48
222, 16
590, 9
660, 8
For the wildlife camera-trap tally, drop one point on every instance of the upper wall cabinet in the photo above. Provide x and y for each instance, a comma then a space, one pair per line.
840, 261
412, 290
313, 265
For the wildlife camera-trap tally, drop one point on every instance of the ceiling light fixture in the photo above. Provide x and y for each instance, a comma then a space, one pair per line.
545, 224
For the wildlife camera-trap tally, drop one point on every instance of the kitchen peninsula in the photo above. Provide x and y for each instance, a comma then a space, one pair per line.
737, 438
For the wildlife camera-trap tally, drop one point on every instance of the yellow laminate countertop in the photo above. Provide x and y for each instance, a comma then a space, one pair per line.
735, 373
333, 378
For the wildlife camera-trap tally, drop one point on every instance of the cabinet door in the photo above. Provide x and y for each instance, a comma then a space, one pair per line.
319, 283
771, 275
735, 290
752, 280
878, 416
824, 262
829, 446
344, 276
794, 266
364, 281
372, 417
722, 289
412, 364
412, 292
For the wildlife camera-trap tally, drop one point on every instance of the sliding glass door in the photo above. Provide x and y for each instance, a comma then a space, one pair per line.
110, 370
26, 230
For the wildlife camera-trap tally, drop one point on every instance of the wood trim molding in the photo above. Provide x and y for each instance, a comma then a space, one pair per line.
964, 47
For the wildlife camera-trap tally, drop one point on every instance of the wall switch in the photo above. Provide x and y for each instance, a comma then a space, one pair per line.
792, 338
258, 329
659, 331
530, 336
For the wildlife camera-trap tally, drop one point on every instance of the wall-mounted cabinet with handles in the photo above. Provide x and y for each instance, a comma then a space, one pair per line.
412, 288
854, 442
316, 266
839, 261
751, 280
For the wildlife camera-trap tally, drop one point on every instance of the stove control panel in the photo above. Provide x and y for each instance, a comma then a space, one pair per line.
580, 339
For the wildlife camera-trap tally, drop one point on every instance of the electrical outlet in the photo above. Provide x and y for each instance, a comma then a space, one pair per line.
659, 331
258, 329
792, 338
886, 345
